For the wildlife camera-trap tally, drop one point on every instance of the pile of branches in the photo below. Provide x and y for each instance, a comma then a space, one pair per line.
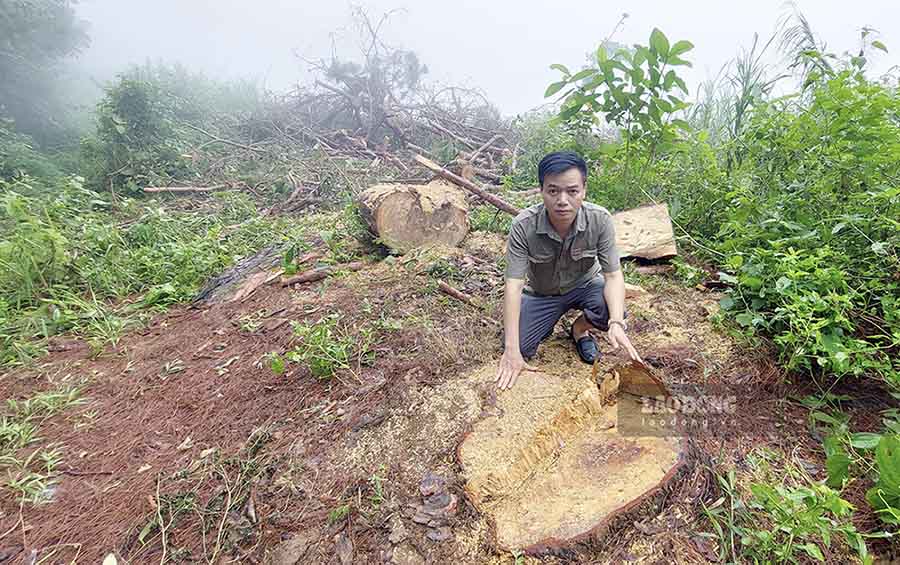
364, 121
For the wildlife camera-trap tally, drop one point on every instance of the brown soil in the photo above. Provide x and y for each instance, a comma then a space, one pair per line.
324, 471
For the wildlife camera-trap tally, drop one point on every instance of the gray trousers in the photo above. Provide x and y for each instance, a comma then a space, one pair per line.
539, 314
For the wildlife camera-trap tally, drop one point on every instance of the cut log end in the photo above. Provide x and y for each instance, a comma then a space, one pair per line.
645, 232
405, 216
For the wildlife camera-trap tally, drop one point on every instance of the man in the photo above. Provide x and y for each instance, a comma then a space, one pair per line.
566, 246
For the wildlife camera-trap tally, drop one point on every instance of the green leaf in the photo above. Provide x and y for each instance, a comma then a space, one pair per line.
684, 126
726, 303
865, 440
813, 551
582, 75
669, 80
561, 68
837, 462
886, 505
680, 47
145, 531
607, 148
782, 284
681, 85
744, 318
640, 56
879, 45
659, 43
602, 56
675, 61
276, 364
554, 88
653, 110
637, 75
887, 456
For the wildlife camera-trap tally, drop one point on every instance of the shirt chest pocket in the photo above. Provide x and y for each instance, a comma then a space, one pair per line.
584, 257
583, 253
543, 265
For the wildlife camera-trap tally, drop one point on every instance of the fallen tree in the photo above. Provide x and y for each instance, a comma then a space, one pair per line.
405, 216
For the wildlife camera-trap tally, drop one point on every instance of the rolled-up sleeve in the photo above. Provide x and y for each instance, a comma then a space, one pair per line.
607, 253
517, 252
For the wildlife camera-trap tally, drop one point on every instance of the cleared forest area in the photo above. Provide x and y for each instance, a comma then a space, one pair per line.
245, 326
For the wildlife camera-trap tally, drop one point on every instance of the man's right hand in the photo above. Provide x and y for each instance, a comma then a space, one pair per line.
511, 364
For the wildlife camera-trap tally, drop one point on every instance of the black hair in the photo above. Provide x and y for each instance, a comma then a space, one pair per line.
559, 162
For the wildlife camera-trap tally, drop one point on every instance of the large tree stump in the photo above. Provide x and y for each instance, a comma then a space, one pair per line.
552, 466
405, 216
645, 232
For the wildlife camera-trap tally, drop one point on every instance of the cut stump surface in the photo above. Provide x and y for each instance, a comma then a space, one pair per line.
645, 232
551, 467
406, 216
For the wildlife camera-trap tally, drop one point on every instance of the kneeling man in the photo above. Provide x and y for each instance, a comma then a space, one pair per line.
566, 247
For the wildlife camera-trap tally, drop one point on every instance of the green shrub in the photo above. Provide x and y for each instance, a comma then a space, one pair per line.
66, 260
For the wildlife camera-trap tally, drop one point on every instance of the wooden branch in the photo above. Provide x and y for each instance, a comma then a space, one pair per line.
468, 142
468, 185
319, 274
484, 146
225, 141
185, 188
457, 294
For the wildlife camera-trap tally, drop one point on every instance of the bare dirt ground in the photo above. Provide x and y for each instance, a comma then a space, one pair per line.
190, 448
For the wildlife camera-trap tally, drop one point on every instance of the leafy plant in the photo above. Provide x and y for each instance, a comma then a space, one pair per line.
327, 347
885, 495
636, 90
767, 522
67, 260
32, 476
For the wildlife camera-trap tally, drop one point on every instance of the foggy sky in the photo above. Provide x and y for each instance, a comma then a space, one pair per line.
504, 47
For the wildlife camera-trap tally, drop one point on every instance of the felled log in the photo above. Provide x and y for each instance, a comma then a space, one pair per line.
405, 216
645, 232
222, 287
468, 185
320, 273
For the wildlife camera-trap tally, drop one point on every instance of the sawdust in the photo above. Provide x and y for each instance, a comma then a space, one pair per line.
415, 437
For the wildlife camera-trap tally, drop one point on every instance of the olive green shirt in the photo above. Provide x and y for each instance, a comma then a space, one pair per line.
556, 266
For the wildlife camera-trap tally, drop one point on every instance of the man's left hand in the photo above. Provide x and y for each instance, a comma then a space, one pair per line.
617, 338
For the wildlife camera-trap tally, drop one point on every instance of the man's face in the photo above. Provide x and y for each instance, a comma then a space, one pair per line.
563, 194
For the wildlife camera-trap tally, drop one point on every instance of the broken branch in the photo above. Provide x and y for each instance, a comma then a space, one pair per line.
468, 185
457, 294
184, 188
225, 141
321, 273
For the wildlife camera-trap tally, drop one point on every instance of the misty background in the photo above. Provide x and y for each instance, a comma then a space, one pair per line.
502, 47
